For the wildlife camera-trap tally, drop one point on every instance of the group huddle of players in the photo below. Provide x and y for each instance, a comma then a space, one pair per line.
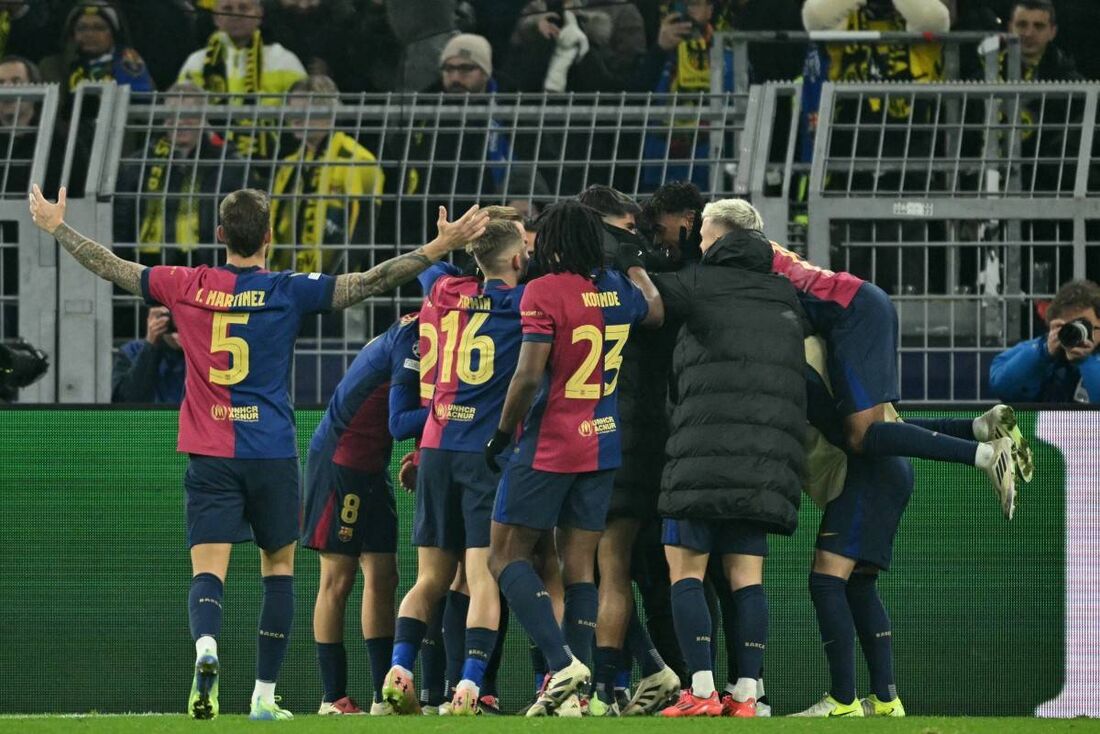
509, 377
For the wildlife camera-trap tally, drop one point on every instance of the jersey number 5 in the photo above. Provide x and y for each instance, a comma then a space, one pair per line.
457, 348
220, 341
577, 386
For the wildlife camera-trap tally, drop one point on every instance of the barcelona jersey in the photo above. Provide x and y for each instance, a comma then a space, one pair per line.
825, 295
354, 431
469, 345
237, 327
573, 424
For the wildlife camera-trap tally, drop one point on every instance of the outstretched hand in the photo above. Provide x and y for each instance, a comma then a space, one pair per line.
44, 214
471, 225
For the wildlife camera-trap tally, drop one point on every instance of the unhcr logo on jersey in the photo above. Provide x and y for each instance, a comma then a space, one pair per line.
235, 413
597, 426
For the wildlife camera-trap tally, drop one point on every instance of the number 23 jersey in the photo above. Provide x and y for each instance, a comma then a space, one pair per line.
573, 425
237, 327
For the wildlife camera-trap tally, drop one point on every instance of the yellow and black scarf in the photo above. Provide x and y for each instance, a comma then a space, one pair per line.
151, 235
317, 179
215, 78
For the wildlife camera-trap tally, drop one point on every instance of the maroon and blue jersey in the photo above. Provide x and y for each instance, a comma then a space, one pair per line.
469, 345
825, 295
355, 430
573, 424
237, 327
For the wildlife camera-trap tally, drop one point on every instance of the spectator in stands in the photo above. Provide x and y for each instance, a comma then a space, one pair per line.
95, 50
579, 47
25, 29
377, 55
680, 63
321, 34
19, 137
458, 161
237, 61
1059, 366
1036, 23
168, 192
323, 192
150, 370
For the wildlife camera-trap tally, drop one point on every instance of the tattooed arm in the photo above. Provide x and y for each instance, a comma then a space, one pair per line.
354, 287
92, 255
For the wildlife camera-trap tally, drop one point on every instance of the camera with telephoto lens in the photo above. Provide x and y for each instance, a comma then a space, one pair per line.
1075, 333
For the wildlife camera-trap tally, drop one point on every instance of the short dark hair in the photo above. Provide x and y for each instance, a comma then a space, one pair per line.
1074, 296
33, 73
1045, 5
245, 216
608, 202
674, 197
569, 239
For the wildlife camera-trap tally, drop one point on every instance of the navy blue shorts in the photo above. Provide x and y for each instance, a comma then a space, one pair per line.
863, 520
236, 500
717, 537
348, 511
542, 500
863, 352
454, 500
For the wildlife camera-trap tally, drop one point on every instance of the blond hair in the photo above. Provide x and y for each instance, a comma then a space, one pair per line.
734, 214
501, 234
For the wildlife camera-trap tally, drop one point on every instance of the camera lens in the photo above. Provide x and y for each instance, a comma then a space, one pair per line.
1075, 333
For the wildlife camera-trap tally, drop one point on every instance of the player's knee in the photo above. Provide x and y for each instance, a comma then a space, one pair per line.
337, 586
854, 434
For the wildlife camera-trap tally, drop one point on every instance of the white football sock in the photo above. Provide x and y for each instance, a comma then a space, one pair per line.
744, 690
206, 645
983, 457
264, 691
702, 684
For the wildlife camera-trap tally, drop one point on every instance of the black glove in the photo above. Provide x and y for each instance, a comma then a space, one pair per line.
622, 250
495, 448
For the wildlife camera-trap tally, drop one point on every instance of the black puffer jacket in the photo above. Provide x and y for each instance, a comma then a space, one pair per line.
735, 450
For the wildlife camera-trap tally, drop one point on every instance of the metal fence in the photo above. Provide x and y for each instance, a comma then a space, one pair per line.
968, 210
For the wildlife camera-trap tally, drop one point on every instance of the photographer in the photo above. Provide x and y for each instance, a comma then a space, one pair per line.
150, 370
1060, 366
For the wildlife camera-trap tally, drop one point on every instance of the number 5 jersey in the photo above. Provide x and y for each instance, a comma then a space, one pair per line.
237, 327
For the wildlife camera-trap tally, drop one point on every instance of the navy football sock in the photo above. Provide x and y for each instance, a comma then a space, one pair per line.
582, 601
693, 623
903, 439
489, 688
958, 427
332, 659
608, 660
834, 618
529, 601
276, 619
204, 605
433, 660
875, 637
642, 648
379, 651
454, 636
729, 630
539, 668
480, 642
751, 606
408, 634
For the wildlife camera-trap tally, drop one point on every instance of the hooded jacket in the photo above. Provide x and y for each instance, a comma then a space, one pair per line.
735, 449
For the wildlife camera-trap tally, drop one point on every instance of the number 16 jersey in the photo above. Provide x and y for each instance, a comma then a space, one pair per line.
469, 345
237, 328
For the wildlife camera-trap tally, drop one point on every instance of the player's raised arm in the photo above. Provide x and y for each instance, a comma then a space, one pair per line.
354, 287
89, 253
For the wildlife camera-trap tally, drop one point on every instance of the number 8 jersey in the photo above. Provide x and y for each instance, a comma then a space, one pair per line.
573, 425
469, 345
237, 328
